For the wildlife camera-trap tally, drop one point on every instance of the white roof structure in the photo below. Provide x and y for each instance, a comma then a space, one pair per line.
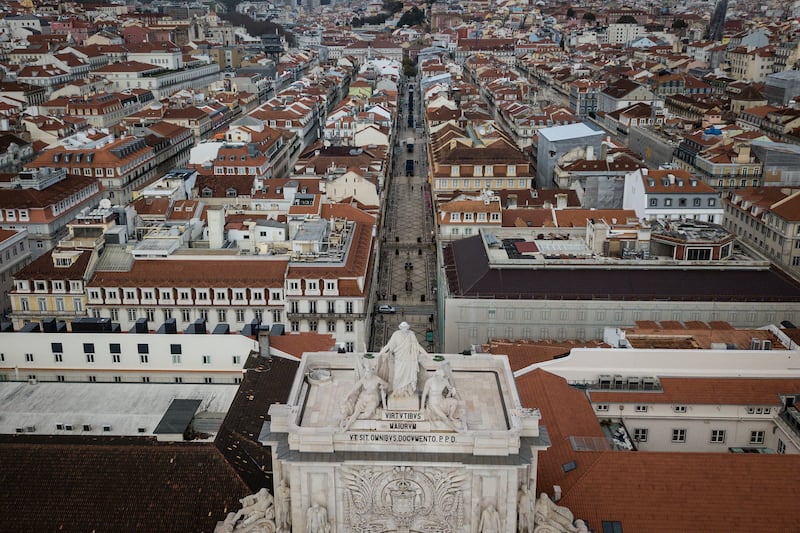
110, 409
570, 131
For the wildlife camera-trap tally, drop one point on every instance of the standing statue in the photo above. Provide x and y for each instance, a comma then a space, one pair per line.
403, 352
440, 397
363, 401
525, 510
490, 521
317, 519
257, 514
283, 497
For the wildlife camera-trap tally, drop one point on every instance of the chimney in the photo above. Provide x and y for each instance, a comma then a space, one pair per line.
216, 226
561, 200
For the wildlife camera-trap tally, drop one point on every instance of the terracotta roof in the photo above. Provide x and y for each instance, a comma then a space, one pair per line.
523, 353
6, 234
96, 484
127, 66
200, 273
667, 492
656, 491
683, 182
577, 218
709, 391
566, 413
43, 268
297, 344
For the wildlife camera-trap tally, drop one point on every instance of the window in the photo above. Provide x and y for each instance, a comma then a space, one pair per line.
348, 326
143, 348
756, 437
92, 379
679, 408
781, 446
57, 347
313, 325
117, 379
114, 348
348, 308
144, 358
176, 359
115, 358
602, 407
186, 315
668, 202
349, 346
717, 436
61, 379
679, 435
698, 254
640, 434
151, 314
175, 349
237, 359
221, 315
145, 379
492, 314
132, 315
90, 358
641, 408
178, 380
59, 358
295, 326
208, 380
206, 359
611, 526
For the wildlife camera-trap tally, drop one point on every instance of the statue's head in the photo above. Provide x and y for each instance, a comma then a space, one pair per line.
404, 326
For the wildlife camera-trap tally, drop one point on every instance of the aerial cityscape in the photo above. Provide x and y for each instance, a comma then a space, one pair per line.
393, 266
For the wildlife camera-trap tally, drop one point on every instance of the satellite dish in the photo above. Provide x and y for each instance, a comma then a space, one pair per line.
105, 203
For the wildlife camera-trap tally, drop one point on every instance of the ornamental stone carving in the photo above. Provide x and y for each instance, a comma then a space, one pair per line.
403, 498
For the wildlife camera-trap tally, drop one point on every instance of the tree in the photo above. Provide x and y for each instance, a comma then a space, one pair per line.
679, 24
409, 67
589, 16
392, 6
412, 17
627, 19
570, 13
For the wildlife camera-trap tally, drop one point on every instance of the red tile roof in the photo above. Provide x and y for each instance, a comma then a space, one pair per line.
297, 344
707, 391
200, 273
654, 492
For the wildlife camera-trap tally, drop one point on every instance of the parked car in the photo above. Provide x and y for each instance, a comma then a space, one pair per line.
387, 309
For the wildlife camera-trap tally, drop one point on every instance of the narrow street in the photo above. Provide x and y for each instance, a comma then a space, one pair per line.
407, 269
